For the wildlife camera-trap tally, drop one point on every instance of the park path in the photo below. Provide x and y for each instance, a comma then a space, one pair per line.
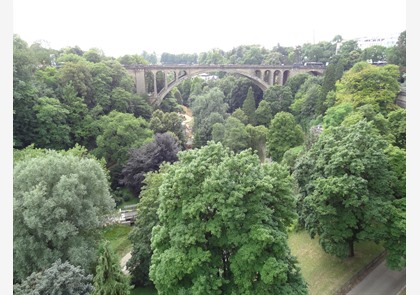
123, 262
381, 281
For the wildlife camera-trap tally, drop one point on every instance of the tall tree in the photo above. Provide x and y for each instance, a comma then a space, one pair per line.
283, 134
222, 229
207, 109
24, 94
109, 278
52, 129
249, 106
235, 136
345, 182
59, 202
368, 84
263, 114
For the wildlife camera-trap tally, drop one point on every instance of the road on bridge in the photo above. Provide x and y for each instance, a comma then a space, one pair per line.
380, 281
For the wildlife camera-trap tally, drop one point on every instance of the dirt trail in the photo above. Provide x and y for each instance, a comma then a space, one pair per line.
188, 122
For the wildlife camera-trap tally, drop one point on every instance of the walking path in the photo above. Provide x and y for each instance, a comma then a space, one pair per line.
123, 262
381, 281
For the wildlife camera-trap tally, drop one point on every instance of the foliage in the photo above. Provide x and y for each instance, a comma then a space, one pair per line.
59, 201
279, 98
308, 101
162, 122
147, 218
149, 157
240, 115
397, 125
249, 106
109, 278
59, 279
335, 115
117, 133
222, 226
257, 138
207, 109
283, 134
24, 94
368, 84
51, 127
263, 114
235, 136
345, 184
290, 157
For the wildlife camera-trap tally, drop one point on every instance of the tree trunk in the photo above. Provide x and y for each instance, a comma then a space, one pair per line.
351, 248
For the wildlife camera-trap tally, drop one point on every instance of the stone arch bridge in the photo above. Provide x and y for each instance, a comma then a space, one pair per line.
263, 76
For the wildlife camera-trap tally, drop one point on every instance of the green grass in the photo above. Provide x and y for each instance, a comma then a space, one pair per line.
325, 273
144, 291
117, 235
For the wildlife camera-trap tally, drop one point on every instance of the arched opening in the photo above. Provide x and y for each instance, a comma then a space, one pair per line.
286, 75
267, 77
258, 73
277, 77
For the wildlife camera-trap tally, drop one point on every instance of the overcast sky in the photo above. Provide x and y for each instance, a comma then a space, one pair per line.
187, 26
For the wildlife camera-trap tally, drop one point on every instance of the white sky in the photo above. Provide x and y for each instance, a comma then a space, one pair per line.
187, 26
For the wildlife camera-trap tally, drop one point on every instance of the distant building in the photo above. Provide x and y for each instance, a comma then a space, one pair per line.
207, 77
365, 42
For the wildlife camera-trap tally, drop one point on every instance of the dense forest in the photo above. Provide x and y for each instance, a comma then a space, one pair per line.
323, 154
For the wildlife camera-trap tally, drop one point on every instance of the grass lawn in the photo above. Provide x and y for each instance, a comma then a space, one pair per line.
325, 273
117, 235
144, 291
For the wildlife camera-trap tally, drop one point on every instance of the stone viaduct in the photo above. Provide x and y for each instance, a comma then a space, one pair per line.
263, 76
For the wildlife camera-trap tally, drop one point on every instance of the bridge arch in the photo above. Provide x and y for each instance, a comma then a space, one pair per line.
262, 76
161, 95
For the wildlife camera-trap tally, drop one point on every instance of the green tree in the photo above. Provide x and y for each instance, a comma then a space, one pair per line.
283, 134
52, 129
279, 98
207, 109
140, 236
218, 132
263, 114
397, 124
222, 229
24, 94
163, 122
60, 278
240, 115
117, 133
345, 182
109, 278
374, 53
235, 135
249, 106
80, 75
368, 84
257, 139
59, 202
335, 115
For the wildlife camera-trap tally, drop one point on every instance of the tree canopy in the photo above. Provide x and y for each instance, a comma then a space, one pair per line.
222, 226
59, 201
346, 189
